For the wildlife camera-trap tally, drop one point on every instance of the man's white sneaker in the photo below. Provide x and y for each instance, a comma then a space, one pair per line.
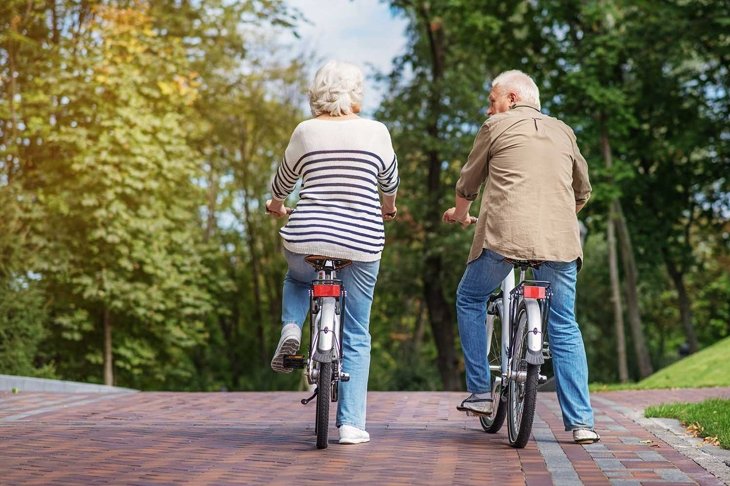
353, 435
585, 436
291, 335
476, 405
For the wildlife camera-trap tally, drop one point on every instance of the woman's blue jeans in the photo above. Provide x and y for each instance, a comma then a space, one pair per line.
484, 275
359, 282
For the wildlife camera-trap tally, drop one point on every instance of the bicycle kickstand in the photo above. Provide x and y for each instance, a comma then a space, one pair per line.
307, 400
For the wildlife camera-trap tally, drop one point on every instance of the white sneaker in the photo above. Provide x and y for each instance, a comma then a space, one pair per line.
353, 435
291, 335
585, 436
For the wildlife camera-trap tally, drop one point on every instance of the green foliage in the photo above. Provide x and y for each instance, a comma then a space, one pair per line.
710, 418
116, 133
22, 313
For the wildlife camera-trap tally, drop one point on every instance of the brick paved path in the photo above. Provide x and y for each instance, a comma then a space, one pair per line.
267, 438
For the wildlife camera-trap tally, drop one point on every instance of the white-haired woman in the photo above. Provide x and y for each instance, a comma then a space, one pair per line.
346, 164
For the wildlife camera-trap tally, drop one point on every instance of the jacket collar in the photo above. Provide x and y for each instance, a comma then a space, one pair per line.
524, 106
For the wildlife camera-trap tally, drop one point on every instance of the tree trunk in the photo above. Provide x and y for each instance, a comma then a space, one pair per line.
632, 293
108, 364
439, 310
618, 312
685, 304
616, 219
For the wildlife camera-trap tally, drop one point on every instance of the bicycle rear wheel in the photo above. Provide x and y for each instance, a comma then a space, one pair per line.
522, 394
324, 385
493, 422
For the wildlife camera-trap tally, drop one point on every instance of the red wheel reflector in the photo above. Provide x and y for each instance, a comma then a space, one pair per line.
326, 290
533, 292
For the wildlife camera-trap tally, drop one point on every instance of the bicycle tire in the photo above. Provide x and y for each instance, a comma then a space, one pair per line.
493, 423
522, 397
324, 384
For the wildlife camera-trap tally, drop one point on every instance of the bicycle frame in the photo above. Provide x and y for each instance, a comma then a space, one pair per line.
537, 303
327, 297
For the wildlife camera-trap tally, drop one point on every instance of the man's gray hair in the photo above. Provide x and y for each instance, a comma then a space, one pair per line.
336, 87
519, 83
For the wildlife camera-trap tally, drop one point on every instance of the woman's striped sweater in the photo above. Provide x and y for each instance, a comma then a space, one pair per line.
342, 164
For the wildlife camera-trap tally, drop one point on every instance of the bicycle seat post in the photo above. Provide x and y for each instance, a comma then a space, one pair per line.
523, 272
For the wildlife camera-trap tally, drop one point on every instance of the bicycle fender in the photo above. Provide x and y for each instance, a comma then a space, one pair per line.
534, 332
326, 329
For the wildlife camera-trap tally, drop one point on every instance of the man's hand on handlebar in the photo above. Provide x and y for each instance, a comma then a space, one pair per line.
451, 217
276, 208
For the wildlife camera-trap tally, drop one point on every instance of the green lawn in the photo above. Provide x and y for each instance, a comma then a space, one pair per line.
708, 367
710, 418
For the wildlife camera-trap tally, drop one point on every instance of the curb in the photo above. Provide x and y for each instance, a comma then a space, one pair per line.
10, 383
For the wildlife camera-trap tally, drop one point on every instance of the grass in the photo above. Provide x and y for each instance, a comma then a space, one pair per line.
708, 367
709, 419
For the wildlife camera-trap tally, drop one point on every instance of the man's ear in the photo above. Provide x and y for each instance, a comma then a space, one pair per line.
512, 98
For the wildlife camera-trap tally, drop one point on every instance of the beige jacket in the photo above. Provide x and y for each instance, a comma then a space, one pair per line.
535, 176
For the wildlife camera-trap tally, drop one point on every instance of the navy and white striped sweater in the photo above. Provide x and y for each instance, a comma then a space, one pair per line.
342, 164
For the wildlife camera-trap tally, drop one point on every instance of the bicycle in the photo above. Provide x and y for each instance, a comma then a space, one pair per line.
326, 325
517, 347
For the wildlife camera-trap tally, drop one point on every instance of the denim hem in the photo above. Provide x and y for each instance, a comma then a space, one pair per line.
576, 427
351, 425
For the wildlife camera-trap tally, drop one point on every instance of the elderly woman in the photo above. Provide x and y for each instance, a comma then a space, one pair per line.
342, 160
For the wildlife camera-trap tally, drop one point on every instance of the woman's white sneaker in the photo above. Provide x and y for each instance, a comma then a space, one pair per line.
353, 435
585, 436
291, 336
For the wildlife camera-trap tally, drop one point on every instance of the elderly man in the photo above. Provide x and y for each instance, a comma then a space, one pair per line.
536, 181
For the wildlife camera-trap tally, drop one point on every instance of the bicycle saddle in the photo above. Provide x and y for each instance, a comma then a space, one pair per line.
318, 262
524, 263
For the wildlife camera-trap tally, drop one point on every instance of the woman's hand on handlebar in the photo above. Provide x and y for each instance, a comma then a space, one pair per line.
389, 212
277, 209
450, 217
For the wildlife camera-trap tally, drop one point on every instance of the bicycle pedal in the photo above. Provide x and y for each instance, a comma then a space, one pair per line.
541, 379
344, 376
294, 361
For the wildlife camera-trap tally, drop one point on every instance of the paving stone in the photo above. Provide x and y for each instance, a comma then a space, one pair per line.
650, 456
610, 464
673, 475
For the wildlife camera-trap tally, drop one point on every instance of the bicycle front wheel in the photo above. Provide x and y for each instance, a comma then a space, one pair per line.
493, 422
324, 385
522, 395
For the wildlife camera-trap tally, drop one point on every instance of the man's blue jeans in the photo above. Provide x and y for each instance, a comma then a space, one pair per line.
484, 275
359, 281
